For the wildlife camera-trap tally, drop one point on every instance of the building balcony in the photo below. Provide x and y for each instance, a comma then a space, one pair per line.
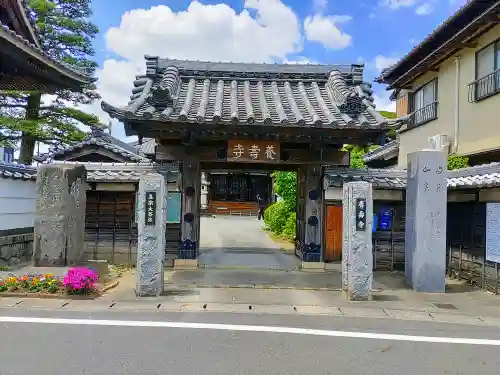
423, 115
484, 87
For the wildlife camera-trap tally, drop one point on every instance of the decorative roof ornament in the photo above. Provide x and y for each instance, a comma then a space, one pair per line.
353, 105
167, 90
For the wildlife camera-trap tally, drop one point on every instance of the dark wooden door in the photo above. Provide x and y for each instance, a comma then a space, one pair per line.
333, 233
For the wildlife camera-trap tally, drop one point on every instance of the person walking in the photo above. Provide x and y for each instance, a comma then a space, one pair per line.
261, 203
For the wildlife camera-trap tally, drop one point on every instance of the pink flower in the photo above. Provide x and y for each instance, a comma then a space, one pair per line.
80, 279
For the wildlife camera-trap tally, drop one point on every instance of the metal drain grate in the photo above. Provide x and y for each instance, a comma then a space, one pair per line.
447, 306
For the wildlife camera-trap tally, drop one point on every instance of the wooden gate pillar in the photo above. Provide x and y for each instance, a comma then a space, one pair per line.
312, 213
190, 212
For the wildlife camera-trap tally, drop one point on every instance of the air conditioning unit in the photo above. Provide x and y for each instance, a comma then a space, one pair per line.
439, 142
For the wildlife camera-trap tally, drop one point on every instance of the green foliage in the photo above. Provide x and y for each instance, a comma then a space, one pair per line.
457, 162
285, 185
66, 34
289, 230
275, 216
388, 114
356, 154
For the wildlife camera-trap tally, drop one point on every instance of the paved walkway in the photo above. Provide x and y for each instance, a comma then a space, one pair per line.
462, 304
239, 242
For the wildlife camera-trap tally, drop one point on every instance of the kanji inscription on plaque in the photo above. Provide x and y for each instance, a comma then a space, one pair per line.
150, 209
360, 214
253, 151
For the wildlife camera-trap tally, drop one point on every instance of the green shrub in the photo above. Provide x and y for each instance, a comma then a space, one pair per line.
457, 162
275, 216
289, 229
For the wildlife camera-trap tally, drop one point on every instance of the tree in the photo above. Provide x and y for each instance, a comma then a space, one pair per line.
356, 154
66, 34
285, 185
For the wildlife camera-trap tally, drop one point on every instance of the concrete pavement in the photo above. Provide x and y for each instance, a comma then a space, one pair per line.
145, 342
239, 242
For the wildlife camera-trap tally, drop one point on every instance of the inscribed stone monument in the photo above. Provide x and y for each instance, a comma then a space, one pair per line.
151, 235
60, 215
357, 256
425, 231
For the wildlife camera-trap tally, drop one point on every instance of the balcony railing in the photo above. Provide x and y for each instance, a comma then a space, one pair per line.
484, 87
423, 115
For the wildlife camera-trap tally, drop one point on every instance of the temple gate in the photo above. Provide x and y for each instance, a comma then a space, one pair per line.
251, 118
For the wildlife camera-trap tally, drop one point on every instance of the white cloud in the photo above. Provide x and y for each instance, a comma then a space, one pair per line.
382, 101
424, 9
324, 29
208, 32
381, 62
396, 4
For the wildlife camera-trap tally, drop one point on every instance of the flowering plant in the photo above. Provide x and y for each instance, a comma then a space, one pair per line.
31, 283
80, 280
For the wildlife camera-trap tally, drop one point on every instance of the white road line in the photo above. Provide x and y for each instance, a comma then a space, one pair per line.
252, 328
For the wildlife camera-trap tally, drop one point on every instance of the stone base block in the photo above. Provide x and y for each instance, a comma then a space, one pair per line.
185, 264
314, 267
355, 297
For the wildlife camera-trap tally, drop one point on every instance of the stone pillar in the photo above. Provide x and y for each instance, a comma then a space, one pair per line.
204, 191
190, 213
313, 218
357, 256
151, 218
425, 231
60, 215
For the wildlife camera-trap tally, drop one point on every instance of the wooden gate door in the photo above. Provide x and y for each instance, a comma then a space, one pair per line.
333, 233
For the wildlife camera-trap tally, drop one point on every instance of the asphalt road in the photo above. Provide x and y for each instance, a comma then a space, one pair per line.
65, 342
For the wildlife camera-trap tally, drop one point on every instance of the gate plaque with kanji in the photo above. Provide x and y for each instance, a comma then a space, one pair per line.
253, 151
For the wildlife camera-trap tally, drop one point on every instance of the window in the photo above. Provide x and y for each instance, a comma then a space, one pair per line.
487, 74
424, 103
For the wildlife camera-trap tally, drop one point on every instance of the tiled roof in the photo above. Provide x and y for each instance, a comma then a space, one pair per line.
17, 171
97, 137
120, 172
325, 96
146, 148
77, 74
382, 152
486, 175
23, 8
380, 178
481, 176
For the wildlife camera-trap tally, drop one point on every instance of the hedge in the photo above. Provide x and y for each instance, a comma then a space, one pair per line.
280, 220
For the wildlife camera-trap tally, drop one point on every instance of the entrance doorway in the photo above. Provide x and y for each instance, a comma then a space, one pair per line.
333, 233
231, 235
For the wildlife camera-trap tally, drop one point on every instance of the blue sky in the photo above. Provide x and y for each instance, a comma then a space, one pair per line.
376, 32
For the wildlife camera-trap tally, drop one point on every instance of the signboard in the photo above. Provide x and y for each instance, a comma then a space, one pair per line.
493, 232
253, 151
360, 214
150, 210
